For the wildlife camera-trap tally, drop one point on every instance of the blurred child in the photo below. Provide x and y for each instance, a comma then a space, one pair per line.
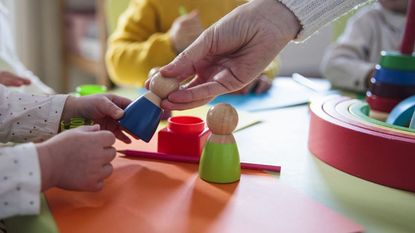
350, 62
77, 159
151, 33
9, 61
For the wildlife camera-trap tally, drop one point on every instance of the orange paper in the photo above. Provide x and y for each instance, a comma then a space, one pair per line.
159, 196
156, 196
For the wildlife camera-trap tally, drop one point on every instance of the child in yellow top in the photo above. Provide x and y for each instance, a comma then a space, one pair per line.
150, 33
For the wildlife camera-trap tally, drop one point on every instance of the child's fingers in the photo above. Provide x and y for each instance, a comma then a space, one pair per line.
109, 106
89, 128
193, 14
26, 81
263, 86
120, 101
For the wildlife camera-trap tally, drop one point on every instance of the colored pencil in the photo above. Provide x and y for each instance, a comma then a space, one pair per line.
193, 160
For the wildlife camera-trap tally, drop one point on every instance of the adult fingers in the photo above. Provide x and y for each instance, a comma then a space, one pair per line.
197, 93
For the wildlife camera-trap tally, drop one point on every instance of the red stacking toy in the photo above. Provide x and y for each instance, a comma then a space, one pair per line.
184, 135
396, 70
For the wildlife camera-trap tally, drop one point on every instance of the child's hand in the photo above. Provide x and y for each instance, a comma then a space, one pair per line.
11, 80
77, 159
104, 110
260, 85
185, 30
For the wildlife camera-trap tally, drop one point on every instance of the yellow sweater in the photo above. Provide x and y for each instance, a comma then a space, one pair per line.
141, 40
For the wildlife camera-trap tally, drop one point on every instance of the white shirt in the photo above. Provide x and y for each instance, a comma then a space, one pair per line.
348, 62
24, 118
10, 61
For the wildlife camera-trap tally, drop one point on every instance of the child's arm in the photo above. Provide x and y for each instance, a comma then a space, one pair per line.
20, 180
65, 160
77, 159
26, 117
137, 45
346, 63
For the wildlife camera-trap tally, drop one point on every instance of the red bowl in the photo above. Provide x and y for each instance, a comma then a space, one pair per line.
186, 124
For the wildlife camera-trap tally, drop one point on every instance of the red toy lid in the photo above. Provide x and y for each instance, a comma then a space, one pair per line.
186, 124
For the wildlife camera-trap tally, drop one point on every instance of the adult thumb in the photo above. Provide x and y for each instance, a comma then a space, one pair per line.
184, 65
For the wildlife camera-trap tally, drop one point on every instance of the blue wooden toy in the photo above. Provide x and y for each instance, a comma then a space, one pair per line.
142, 117
397, 77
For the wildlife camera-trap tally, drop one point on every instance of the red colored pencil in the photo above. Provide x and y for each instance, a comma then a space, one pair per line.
186, 159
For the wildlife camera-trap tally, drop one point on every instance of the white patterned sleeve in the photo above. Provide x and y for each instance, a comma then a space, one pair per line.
314, 14
28, 117
20, 180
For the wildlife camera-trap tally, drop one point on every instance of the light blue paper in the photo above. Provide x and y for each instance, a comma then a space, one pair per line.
284, 93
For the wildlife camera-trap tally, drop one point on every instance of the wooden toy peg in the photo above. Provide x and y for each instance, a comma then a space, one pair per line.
142, 117
222, 120
220, 162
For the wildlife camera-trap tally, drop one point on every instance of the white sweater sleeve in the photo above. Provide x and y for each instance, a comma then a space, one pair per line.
24, 118
313, 14
19, 180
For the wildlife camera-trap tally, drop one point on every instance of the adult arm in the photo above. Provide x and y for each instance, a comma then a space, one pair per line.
236, 49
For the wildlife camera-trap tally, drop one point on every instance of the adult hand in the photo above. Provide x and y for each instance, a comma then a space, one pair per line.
10, 80
103, 109
77, 159
260, 85
185, 30
231, 53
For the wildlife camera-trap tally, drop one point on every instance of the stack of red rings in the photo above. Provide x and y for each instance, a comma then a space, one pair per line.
394, 80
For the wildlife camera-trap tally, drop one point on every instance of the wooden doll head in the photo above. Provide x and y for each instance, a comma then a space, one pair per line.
162, 86
222, 119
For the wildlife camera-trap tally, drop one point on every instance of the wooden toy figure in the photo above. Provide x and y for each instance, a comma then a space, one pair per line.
219, 162
142, 117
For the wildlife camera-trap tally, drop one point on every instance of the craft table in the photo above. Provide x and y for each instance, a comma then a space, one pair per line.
282, 137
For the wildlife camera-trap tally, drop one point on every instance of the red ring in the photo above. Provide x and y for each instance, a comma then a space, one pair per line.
381, 104
368, 154
186, 124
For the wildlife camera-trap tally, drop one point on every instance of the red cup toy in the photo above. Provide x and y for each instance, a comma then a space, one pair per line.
184, 135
